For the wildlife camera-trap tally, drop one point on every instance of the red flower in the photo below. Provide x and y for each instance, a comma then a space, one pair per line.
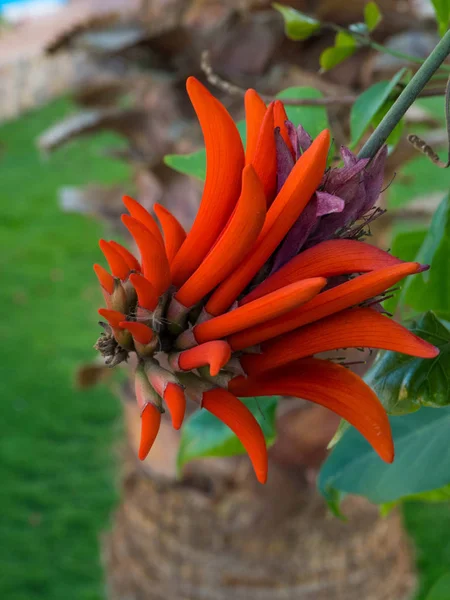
272, 272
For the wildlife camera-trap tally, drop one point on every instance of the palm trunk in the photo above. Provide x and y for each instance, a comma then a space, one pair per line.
218, 535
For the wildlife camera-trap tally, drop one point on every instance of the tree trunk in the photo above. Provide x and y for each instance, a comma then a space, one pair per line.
219, 535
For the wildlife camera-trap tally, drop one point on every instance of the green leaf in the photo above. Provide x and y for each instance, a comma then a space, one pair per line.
297, 25
203, 434
372, 15
405, 383
193, 164
431, 290
438, 496
442, 11
369, 103
313, 118
441, 589
331, 57
344, 46
422, 460
406, 242
417, 179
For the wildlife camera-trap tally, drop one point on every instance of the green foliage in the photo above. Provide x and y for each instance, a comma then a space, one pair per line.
193, 164
418, 178
422, 460
407, 238
442, 10
372, 15
369, 103
441, 590
57, 459
405, 383
313, 118
297, 25
344, 47
204, 435
433, 497
431, 289
428, 525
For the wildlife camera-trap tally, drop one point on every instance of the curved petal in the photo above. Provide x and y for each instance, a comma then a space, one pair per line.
224, 164
106, 279
259, 311
265, 158
333, 257
176, 401
142, 215
330, 385
150, 424
174, 234
240, 420
352, 328
140, 332
342, 296
216, 354
300, 185
114, 317
235, 241
146, 293
131, 261
280, 118
255, 110
117, 264
154, 260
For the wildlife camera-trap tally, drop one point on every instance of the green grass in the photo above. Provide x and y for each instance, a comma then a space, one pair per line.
57, 467
57, 461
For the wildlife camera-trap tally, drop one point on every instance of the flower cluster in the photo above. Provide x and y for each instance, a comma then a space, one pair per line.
273, 272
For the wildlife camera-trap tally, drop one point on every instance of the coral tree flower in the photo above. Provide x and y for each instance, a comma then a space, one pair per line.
272, 273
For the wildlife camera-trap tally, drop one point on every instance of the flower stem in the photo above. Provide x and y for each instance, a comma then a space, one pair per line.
406, 98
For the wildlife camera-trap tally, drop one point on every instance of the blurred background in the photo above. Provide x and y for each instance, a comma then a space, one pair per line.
92, 99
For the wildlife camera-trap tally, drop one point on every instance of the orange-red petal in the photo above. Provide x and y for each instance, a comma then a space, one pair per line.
216, 354
174, 234
224, 164
255, 110
146, 293
140, 332
114, 317
278, 303
342, 296
333, 257
106, 279
235, 241
330, 385
176, 401
150, 424
154, 260
117, 264
284, 211
142, 215
131, 261
240, 420
280, 118
351, 328
265, 159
